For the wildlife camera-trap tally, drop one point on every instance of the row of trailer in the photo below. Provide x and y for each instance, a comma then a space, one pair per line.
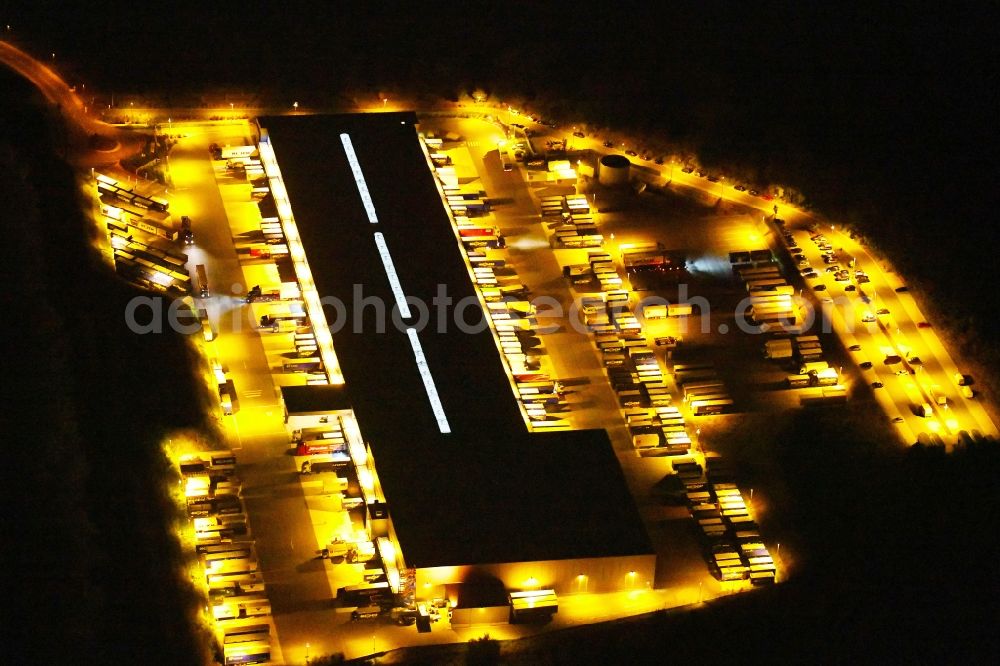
506, 299
573, 222
599, 269
656, 426
702, 388
730, 537
797, 347
240, 612
771, 300
809, 370
461, 200
141, 238
773, 306
125, 193
279, 308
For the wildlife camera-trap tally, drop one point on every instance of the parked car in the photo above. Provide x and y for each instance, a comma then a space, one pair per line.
740, 188
688, 169
608, 144
579, 134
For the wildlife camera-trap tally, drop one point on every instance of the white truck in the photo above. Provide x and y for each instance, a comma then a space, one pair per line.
229, 152
654, 311
679, 310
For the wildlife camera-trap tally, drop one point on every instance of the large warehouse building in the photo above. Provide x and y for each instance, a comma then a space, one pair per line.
462, 489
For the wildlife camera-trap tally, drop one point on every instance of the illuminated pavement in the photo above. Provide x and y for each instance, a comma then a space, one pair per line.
289, 518
285, 514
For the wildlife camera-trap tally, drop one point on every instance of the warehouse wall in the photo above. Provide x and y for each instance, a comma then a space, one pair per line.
598, 574
464, 617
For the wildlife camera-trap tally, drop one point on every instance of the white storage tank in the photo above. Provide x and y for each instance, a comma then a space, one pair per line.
614, 170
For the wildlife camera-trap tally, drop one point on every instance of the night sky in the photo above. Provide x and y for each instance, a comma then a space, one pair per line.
884, 118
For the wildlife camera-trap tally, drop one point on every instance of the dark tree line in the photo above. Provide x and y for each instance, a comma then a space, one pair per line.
92, 570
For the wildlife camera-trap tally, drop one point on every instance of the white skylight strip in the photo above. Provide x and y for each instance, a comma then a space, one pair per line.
390, 271
359, 178
429, 386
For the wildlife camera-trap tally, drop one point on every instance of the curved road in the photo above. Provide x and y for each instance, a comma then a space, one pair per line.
81, 125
